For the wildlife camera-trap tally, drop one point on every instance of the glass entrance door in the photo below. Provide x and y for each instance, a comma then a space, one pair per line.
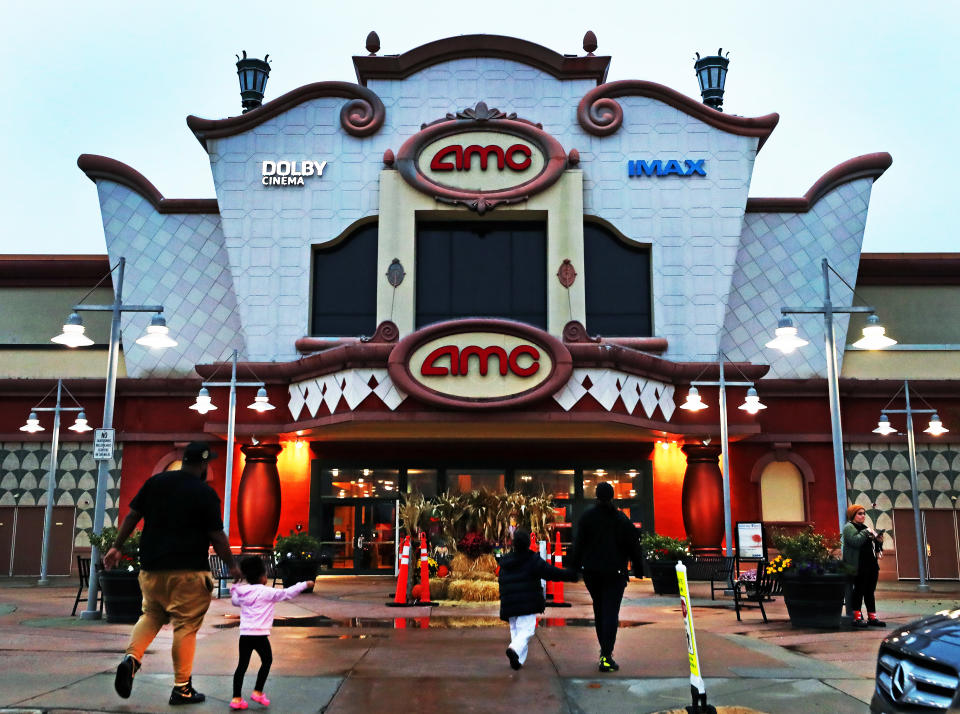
359, 535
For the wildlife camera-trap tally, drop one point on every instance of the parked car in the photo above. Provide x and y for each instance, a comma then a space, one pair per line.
918, 667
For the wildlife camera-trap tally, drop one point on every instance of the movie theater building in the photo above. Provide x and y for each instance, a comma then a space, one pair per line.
484, 265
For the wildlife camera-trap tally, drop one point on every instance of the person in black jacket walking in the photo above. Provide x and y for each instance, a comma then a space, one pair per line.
521, 594
605, 540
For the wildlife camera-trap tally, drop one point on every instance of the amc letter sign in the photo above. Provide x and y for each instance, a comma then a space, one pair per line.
479, 364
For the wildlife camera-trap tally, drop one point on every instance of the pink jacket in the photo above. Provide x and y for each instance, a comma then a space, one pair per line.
256, 605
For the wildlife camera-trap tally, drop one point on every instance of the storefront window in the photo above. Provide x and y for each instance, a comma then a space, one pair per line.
422, 481
557, 484
624, 481
467, 480
360, 483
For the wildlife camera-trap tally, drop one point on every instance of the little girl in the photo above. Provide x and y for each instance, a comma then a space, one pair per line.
256, 602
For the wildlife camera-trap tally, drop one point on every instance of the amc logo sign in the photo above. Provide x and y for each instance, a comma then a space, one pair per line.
477, 364
480, 161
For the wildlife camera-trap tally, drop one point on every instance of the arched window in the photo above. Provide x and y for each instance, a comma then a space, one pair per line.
781, 492
345, 285
617, 277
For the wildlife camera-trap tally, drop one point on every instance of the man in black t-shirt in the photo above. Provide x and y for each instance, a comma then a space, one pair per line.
181, 519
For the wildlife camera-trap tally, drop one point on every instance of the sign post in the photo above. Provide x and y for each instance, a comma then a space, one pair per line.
103, 444
698, 691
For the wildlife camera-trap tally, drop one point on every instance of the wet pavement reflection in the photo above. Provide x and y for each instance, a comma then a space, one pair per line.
401, 623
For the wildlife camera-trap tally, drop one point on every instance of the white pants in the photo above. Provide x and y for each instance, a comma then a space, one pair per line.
521, 630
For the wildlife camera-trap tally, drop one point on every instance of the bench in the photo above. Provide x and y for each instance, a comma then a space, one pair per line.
83, 570
221, 572
718, 569
757, 591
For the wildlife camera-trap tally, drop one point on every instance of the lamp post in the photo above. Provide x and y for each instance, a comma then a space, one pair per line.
751, 405
33, 426
787, 341
712, 75
936, 429
204, 405
157, 337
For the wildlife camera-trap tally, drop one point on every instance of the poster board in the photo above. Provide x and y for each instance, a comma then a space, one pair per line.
751, 541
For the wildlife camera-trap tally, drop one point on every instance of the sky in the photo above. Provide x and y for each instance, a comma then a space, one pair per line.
119, 78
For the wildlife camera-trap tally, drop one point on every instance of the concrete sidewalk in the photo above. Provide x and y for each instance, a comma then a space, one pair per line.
342, 650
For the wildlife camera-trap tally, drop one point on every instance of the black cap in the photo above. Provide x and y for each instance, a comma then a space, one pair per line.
604, 491
197, 451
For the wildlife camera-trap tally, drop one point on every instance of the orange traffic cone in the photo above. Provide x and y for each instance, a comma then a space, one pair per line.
558, 586
400, 598
424, 572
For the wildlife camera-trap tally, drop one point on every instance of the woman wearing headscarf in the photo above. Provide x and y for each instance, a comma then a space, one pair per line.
862, 548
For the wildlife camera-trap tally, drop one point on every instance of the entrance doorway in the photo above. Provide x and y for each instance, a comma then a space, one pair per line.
358, 535
938, 528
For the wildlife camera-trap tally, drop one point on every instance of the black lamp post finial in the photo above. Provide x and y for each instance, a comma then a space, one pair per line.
253, 74
712, 75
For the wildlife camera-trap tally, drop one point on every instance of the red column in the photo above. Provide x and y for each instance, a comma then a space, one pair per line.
258, 501
702, 499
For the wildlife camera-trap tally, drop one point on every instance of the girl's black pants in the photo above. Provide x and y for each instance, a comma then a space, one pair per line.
249, 644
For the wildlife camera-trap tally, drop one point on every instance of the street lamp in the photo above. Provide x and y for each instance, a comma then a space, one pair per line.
72, 336
204, 404
787, 341
712, 75
750, 405
935, 428
33, 426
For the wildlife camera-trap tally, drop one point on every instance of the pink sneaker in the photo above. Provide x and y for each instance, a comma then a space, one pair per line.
242, 704
260, 699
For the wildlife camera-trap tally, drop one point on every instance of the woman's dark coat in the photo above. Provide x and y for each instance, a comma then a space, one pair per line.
520, 590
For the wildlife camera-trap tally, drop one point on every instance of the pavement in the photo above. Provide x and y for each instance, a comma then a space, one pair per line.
341, 649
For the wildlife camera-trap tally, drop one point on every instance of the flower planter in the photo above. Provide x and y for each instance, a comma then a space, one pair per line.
663, 575
122, 599
296, 571
814, 600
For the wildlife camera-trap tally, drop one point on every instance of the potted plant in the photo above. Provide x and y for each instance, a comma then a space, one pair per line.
813, 576
661, 554
298, 558
122, 599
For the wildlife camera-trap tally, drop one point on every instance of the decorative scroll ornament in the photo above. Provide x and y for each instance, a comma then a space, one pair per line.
481, 157
575, 332
566, 274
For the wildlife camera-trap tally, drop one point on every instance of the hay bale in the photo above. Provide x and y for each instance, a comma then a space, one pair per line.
486, 563
438, 588
461, 564
478, 575
473, 591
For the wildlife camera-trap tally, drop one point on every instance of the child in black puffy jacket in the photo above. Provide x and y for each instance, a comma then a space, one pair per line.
521, 594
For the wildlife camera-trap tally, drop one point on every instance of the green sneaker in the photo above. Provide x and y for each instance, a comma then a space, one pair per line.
608, 665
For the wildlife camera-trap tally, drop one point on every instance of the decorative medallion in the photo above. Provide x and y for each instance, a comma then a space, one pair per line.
481, 158
566, 274
479, 364
395, 273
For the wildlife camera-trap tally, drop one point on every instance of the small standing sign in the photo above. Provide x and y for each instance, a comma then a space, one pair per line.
751, 545
698, 690
103, 444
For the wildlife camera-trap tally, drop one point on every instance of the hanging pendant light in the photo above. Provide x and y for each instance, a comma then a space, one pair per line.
786, 339
260, 402
936, 427
72, 335
873, 336
80, 425
158, 334
33, 424
693, 403
203, 403
883, 426
751, 403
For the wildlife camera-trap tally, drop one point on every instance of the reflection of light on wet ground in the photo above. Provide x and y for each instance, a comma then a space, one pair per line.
416, 623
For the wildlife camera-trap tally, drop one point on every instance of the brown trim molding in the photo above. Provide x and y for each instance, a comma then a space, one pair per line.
601, 115
401, 66
363, 115
399, 368
909, 269
866, 166
105, 168
39, 271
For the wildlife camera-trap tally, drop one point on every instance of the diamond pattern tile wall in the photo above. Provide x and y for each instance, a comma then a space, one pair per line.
778, 264
354, 385
177, 261
878, 478
609, 385
23, 481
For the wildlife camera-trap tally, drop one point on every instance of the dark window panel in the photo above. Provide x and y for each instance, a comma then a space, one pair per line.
617, 285
345, 286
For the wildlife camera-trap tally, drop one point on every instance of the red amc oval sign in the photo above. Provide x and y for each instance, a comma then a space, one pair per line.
478, 364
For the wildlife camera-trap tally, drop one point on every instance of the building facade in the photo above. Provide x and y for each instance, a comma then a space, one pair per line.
483, 265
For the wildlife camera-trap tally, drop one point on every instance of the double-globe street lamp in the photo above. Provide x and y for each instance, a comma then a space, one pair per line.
157, 337
204, 404
787, 341
935, 428
751, 405
33, 426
